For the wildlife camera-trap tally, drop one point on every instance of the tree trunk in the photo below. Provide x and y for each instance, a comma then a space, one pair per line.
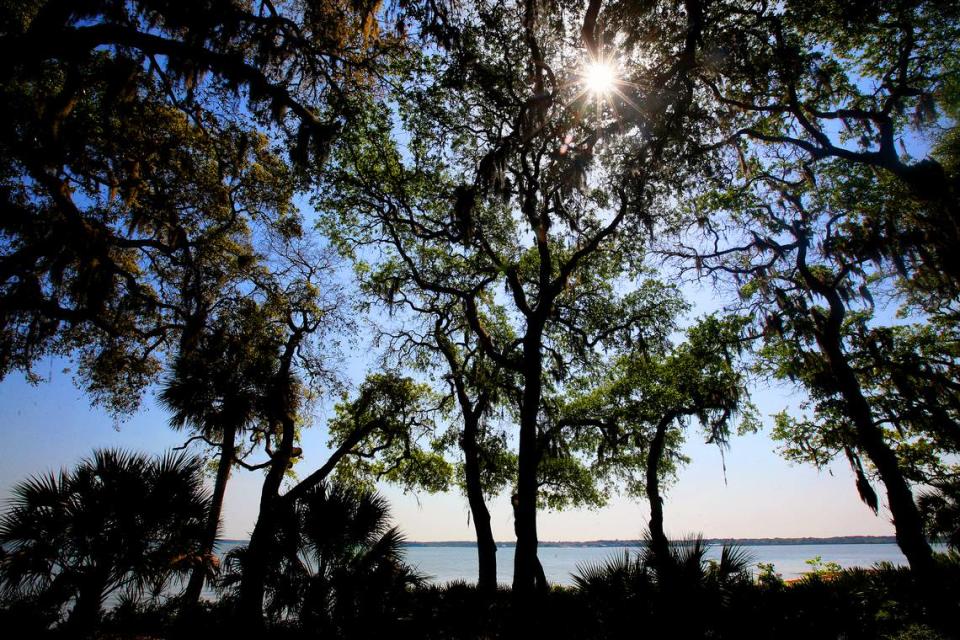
272, 504
906, 517
486, 546
85, 615
907, 522
227, 449
256, 561
659, 544
526, 577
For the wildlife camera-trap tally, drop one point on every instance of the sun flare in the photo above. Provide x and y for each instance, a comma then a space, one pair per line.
600, 78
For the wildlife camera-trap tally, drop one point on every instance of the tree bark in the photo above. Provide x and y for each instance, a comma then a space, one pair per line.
227, 450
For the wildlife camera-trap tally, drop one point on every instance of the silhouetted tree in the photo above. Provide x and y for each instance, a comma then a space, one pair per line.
785, 245
850, 85
512, 182
119, 521
336, 564
212, 390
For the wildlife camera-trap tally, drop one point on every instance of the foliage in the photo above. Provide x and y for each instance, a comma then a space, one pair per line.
638, 585
657, 386
336, 564
817, 86
117, 523
398, 444
488, 170
822, 569
940, 506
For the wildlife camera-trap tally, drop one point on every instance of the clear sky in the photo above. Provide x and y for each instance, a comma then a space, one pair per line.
51, 425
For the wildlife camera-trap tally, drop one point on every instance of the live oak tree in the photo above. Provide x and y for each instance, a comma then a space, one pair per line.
474, 399
428, 333
378, 422
632, 422
137, 170
106, 203
839, 97
785, 243
504, 183
481, 389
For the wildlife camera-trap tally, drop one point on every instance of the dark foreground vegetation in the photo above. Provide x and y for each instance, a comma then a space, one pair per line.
626, 598
206, 201
105, 551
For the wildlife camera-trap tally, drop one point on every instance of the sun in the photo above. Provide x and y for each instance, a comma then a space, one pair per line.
600, 78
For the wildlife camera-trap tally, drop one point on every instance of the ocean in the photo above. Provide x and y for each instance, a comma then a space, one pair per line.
443, 564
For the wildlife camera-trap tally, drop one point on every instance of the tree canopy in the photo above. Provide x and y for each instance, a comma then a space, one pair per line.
522, 189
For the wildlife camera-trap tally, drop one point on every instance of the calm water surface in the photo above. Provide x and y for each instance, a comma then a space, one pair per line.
444, 564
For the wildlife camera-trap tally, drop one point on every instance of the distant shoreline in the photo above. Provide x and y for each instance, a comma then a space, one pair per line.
746, 542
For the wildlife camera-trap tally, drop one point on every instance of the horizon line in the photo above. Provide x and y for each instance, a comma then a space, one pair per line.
784, 540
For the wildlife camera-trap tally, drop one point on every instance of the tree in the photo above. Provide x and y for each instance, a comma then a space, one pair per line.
503, 182
136, 162
212, 389
479, 388
378, 422
430, 335
632, 422
854, 84
785, 244
135, 159
337, 564
119, 521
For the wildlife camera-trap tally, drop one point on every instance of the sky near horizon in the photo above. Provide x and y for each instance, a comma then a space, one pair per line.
52, 425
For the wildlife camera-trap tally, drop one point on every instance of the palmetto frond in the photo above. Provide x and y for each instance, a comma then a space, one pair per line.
735, 561
336, 560
128, 519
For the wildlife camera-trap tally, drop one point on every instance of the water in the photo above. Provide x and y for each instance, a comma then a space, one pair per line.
443, 564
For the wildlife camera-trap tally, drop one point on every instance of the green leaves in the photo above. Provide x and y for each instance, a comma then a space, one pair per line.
614, 420
400, 444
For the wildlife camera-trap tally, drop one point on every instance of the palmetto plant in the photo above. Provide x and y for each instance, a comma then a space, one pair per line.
337, 564
631, 588
118, 523
940, 507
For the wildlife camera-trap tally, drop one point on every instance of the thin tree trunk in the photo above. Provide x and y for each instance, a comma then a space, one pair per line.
472, 413
486, 546
227, 450
659, 544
